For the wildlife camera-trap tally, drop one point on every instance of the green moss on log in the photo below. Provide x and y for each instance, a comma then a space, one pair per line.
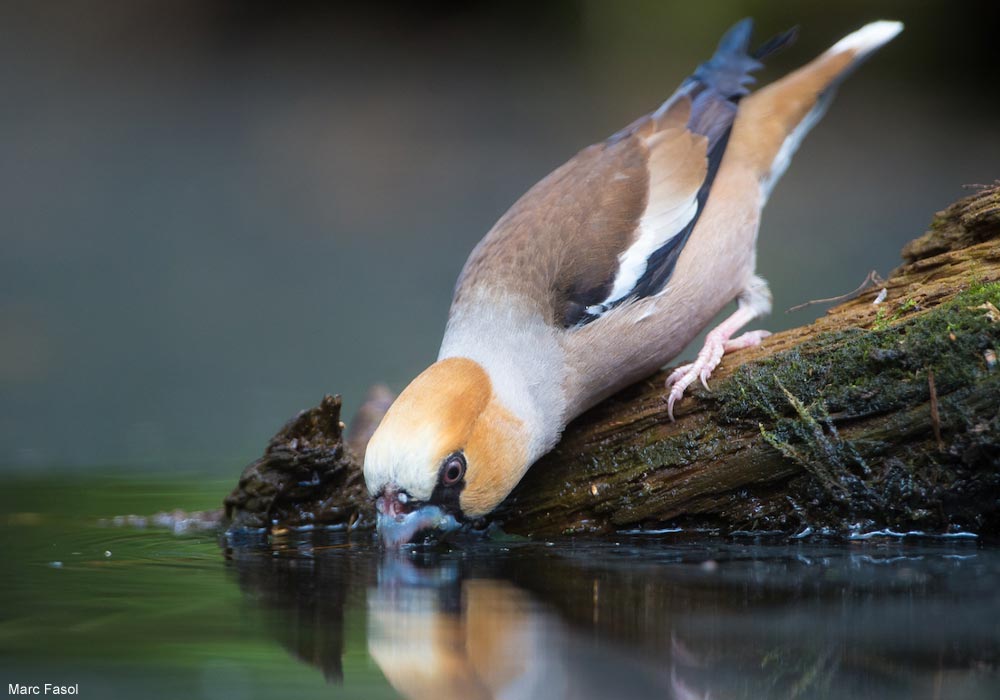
859, 373
848, 414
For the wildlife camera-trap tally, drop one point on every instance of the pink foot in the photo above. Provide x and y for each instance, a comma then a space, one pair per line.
717, 343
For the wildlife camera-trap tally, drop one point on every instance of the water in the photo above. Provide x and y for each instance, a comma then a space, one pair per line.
146, 613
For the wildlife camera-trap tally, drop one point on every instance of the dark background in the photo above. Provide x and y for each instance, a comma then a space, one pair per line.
214, 212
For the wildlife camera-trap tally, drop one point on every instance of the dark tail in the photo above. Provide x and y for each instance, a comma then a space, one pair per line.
776, 43
728, 71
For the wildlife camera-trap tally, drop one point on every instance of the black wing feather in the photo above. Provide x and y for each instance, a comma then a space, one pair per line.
715, 90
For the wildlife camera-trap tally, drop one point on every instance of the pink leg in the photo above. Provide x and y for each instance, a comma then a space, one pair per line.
753, 303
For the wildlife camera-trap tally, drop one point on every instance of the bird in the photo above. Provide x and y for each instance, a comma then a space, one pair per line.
597, 277
506, 641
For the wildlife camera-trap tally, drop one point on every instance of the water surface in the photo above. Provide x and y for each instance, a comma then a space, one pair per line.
127, 612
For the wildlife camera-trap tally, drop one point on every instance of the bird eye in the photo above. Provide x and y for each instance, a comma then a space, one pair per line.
453, 469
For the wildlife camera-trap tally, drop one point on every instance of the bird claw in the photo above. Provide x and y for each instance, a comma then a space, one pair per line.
675, 375
679, 380
708, 359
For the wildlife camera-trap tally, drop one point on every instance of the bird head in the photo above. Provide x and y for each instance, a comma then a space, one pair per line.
447, 452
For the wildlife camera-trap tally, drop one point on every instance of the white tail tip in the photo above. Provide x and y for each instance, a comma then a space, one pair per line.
868, 38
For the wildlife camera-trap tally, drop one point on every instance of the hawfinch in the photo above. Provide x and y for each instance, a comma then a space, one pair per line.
597, 277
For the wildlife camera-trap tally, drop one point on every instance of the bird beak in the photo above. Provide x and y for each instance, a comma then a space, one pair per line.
396, 531
398, 525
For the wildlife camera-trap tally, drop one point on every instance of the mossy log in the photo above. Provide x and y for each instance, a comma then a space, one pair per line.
883, 413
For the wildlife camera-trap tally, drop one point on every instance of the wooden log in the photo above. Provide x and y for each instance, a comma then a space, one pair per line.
876, 415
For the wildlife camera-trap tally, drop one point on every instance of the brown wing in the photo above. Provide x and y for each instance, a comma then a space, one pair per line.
609, 225
559, 244
563, 243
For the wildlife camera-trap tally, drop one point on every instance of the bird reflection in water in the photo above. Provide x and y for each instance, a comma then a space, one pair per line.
436, 634
637, 619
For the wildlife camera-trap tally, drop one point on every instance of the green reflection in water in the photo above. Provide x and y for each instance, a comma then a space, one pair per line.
159, 616
147, 613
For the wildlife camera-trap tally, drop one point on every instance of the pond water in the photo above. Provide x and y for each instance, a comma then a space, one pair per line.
126, 612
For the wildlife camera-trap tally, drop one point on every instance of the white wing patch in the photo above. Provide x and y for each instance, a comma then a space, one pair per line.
654, 233
677, 170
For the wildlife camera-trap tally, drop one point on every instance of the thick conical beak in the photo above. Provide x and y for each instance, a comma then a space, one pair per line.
396, 531
398, 525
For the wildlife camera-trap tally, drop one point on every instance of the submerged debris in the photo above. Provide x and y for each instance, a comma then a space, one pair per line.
305, 477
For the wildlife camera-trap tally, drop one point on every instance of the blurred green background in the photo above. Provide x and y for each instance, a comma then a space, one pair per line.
214, 212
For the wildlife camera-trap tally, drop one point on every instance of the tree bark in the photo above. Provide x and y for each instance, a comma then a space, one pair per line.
881, 414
